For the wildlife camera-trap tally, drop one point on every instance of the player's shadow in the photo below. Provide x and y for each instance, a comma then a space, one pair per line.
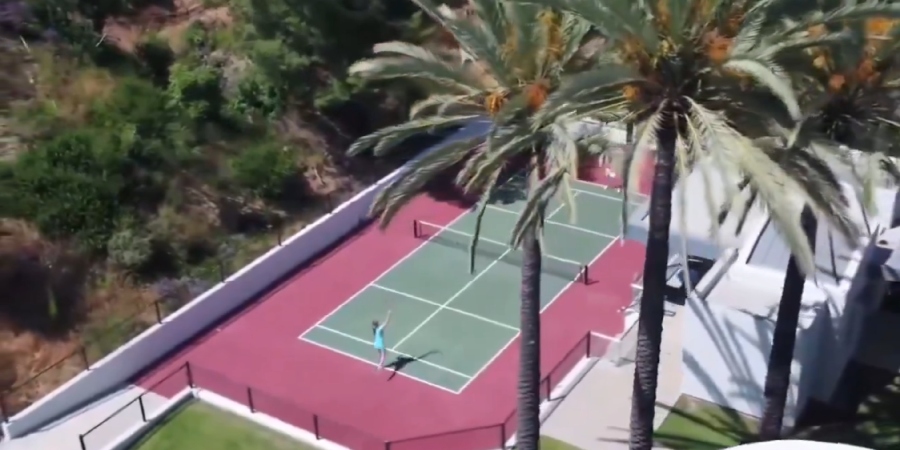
402, 361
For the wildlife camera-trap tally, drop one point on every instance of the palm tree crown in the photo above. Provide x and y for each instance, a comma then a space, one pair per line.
510, 59
850, 96
709, 74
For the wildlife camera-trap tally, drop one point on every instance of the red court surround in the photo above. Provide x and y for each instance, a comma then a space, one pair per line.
357, 407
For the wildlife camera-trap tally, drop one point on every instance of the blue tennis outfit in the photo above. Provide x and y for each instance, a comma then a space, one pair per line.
379, 338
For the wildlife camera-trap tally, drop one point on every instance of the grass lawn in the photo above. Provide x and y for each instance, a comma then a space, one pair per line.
548, 443
198, 426
698, 425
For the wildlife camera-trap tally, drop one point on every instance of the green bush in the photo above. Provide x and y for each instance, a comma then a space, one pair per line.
265, 169
196, 90
70, 187
130, 249
255, 94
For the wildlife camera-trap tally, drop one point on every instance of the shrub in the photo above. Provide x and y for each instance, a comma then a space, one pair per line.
69, 187
196, 90
130, 249
265, 169
256, 95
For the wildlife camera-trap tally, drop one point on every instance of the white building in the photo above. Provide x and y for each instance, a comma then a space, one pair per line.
731, 316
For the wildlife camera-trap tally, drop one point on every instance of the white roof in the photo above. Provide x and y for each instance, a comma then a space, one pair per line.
753, 282
699, 228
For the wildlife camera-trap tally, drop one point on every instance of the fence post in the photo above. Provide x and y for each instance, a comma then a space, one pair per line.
190, 374
3, 410
84, 358
250, 399
316, 426
158, 311
81, 440
143, 411
221, 270
588, 346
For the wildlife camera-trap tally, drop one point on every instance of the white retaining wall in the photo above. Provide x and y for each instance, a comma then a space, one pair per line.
240, 288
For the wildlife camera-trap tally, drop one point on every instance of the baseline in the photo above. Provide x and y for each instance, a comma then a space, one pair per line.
366, 361
368, 342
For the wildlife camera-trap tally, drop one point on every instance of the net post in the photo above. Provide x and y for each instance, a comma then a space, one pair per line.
415, 228
502, 435
584, 275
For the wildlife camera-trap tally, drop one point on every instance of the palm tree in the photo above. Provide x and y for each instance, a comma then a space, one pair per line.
509, 60
851, 90
700, 79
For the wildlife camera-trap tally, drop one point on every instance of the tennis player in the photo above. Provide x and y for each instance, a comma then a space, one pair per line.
378, 330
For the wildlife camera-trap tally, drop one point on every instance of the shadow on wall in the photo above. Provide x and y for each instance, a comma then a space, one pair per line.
726, 358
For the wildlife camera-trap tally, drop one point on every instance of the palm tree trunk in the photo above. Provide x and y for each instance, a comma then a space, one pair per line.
652, 307
778, 376
529, 402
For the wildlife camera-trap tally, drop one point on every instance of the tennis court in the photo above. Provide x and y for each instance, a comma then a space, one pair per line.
448, 324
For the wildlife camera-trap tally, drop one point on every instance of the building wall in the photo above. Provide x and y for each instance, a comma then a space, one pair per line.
726, 353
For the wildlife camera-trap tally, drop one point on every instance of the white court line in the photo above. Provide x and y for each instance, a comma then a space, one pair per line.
366, 361
607, 187
604, 336
427, 363
386, 271
561, 224
491, 241
448, 308
454, 297
552, 300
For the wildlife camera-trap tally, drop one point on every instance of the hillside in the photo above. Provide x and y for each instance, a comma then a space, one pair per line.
148, 148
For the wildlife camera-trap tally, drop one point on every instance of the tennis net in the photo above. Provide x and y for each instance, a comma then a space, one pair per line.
552, 265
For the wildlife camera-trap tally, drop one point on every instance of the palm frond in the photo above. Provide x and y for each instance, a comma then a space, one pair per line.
388, 138
409, 184
404, 67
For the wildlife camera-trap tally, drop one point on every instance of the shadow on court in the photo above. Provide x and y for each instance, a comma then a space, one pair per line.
403, 361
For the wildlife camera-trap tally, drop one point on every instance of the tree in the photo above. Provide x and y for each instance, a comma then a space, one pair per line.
851, 94
701, 80
509, 60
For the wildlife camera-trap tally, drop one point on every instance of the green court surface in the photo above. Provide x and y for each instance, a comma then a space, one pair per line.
448, 324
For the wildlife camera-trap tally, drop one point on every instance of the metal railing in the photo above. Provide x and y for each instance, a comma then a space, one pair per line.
140, 409
485, 437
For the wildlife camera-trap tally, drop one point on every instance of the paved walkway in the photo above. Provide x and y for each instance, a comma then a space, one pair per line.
63, 434
595, 413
